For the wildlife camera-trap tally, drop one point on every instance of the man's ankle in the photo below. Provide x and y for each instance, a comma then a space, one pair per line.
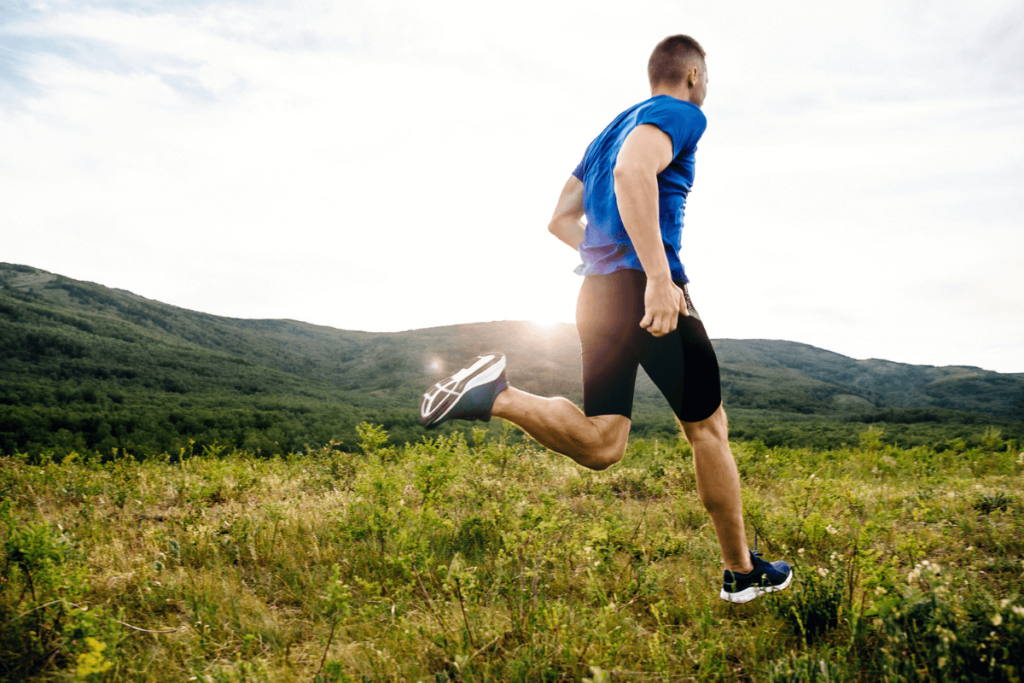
740, 567
501, 402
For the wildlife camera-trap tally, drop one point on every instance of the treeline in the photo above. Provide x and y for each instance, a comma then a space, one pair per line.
93, 420
101, 416
937, 429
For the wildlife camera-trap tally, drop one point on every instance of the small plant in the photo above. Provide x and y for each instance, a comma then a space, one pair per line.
371, 437
808, 668
871, 438
814, 605
91, 663
992, 439
987, 503
336, 605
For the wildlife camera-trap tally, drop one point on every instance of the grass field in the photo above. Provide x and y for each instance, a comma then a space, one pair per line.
451, 560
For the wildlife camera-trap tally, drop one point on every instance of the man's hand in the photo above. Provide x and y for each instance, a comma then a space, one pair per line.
663, 302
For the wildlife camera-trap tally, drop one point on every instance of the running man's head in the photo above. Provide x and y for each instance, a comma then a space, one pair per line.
677, 68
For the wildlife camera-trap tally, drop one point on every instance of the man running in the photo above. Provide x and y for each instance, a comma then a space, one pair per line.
633, 309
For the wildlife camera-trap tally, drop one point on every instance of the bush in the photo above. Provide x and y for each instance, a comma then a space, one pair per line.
813, 605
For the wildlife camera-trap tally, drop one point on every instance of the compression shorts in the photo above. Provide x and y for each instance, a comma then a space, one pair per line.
682, 364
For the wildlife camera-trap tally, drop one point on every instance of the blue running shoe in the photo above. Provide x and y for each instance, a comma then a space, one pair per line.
467, 395
765, 578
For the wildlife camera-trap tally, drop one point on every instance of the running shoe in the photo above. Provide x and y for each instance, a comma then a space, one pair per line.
467, 395
765, 578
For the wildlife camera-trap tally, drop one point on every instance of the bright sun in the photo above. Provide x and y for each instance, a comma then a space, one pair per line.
549, 303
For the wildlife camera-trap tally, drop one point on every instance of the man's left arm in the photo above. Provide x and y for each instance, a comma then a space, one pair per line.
565, 222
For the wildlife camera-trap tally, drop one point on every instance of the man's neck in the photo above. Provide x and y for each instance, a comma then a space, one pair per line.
681, 92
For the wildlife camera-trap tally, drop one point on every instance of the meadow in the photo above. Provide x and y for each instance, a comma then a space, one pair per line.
481, 557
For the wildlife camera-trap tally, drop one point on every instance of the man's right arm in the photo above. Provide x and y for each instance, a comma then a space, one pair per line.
646, 152
565, 222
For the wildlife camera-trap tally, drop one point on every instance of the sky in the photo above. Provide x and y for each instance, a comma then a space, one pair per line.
387, 165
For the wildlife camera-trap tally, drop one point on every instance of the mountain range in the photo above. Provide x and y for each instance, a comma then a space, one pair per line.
75, 353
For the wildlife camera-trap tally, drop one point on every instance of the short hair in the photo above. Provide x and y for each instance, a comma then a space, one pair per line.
668, 62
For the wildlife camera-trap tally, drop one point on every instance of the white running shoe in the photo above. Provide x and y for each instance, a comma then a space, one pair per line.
467, 395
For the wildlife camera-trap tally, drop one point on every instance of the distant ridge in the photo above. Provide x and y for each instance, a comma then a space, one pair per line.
803, 378
59, 335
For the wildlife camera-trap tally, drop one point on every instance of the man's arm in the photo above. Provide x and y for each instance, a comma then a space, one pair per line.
565, 222
646, 152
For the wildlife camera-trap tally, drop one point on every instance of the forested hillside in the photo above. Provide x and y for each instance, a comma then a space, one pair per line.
84, 366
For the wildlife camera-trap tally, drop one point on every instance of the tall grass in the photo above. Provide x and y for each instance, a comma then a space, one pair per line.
469, 559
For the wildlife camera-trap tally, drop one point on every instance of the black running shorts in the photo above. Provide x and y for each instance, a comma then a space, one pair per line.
682, 363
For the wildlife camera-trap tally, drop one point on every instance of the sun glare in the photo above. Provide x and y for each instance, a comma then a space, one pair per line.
549, 303
545, 325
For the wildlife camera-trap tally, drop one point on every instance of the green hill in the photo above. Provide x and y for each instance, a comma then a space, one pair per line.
84, 366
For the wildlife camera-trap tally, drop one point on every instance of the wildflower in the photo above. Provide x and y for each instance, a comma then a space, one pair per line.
822, 572
1018, 610
92, 662
997, 619
800, 552
831, 529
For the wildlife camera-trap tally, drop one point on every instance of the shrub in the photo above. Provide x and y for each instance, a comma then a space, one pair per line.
814, 604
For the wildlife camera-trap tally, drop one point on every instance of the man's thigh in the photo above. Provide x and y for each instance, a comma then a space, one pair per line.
608, 314
684, 367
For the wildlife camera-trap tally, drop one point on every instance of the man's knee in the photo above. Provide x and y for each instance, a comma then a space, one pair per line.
714, 428
610, 444
604, 457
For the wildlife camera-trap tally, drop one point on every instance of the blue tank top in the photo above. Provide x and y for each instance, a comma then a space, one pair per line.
606, 246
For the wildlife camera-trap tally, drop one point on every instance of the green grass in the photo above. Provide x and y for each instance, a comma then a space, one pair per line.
487, 560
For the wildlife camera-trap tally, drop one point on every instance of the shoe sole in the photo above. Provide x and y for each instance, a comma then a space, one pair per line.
444, 396
751, 592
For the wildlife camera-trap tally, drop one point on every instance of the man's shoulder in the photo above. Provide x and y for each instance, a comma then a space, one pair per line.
682, 121
663, 111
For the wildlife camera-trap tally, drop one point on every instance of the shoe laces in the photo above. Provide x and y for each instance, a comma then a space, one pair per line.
755, 551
